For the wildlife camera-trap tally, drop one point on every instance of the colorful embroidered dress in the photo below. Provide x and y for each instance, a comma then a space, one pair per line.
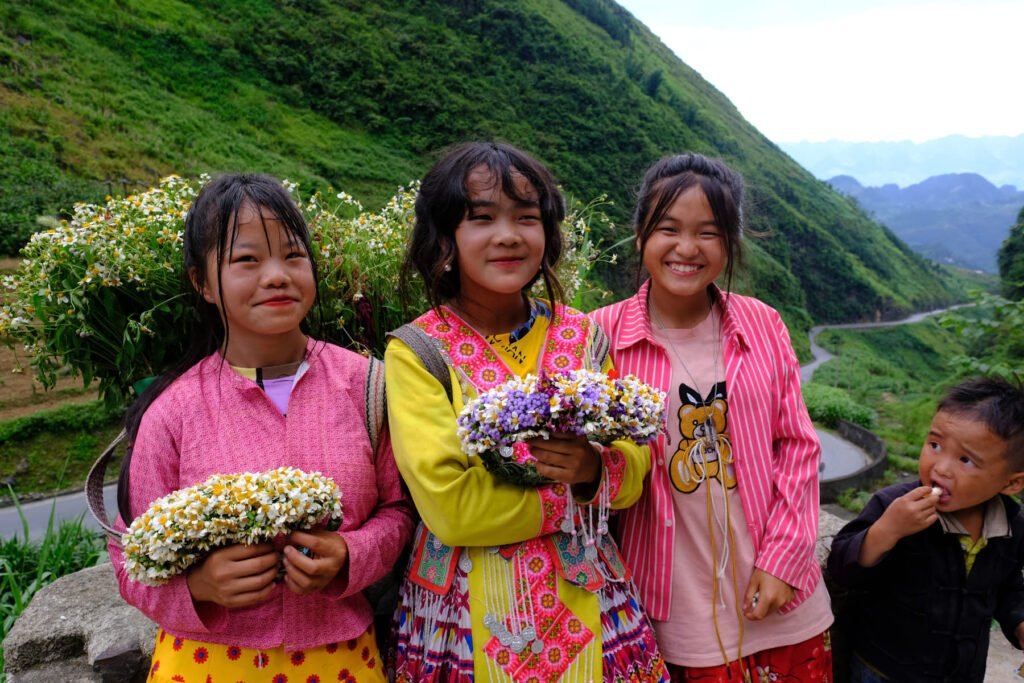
496, 590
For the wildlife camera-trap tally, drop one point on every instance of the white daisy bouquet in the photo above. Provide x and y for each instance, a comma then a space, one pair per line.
245, 508
601, 407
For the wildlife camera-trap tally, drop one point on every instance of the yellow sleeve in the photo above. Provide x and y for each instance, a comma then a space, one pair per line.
460, 502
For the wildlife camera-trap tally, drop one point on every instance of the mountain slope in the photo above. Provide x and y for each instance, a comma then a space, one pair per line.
360, 95
957, 218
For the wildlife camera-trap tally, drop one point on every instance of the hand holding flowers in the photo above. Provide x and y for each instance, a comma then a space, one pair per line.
567, 458
328, 556
234, 510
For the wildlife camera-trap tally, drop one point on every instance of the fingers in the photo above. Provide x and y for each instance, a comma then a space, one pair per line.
309, 573
241, 552
764, 595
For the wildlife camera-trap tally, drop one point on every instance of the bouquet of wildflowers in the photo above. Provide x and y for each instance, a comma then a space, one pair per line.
242, 508
101, 294
601, 407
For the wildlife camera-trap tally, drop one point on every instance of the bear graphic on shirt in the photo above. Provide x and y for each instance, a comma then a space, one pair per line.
704, 451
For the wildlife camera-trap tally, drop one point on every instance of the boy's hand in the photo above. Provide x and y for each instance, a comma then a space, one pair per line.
912, 512
765, 594
235, 576
308, 574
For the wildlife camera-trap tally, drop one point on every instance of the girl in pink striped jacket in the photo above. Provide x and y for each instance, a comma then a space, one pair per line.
722, 539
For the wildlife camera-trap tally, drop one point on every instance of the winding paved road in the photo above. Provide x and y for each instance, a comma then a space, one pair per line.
840, 457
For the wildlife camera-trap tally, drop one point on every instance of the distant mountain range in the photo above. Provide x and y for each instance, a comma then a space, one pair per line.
1000, 159
957, 218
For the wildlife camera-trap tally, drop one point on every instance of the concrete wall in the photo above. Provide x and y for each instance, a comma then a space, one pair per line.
873, 445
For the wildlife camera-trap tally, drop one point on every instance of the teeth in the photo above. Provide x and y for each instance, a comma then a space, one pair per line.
683, 269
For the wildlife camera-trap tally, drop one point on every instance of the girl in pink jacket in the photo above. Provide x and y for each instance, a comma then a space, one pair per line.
256, 393
722, 540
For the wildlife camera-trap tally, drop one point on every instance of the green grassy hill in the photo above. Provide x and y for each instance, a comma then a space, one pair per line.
99, 96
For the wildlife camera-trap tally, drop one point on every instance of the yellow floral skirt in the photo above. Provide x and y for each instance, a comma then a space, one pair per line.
177, 660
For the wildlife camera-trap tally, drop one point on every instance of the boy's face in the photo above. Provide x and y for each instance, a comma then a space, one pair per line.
967, 461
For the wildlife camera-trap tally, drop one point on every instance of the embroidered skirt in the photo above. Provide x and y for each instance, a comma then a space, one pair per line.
435, 636
177, 660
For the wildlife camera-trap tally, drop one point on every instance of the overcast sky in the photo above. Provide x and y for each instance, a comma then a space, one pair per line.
857, 71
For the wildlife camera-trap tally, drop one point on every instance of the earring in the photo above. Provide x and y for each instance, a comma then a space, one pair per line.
447, 267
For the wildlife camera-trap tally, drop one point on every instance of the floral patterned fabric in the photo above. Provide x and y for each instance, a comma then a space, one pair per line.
179, 660
806, 662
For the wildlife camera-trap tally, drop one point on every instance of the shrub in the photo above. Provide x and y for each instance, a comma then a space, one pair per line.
828, 405
102, 294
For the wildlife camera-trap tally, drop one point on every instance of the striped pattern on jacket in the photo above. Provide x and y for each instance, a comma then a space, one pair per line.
775, 448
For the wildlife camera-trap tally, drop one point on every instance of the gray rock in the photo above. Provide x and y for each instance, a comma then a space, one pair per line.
79, 629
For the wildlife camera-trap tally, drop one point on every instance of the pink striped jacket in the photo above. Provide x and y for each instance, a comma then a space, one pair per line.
775, 447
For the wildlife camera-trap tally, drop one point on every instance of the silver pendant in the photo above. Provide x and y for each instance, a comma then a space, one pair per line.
506, 451
537, 647
590, 553
504, 638
530, 633
517, 644
465, 564
489, 621
567, 526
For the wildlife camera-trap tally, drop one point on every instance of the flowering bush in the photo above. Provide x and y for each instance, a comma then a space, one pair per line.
103, 293
242, 508
495, 424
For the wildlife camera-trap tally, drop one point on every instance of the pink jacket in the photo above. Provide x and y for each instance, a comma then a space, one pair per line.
775, 447
212, 420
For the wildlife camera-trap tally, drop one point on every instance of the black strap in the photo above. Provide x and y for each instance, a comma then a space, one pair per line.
423, 345
94, 488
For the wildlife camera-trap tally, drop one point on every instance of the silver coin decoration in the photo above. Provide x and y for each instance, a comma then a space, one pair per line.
506, 451
465, 564
590, 553
537, 647
567, 526
517, 644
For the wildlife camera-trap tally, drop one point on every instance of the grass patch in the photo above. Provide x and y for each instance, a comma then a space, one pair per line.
54, 449
27, 566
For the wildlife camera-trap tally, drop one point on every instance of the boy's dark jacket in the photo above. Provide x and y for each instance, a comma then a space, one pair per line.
917, 616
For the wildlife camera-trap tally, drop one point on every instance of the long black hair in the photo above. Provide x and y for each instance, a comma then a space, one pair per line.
442, 203
210, 229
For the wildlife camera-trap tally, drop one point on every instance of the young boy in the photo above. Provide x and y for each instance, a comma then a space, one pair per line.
930, 565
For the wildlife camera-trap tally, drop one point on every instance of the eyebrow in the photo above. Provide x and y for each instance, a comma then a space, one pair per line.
290, 242
484, 203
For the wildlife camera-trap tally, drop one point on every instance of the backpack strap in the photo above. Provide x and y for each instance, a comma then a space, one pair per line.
424, 347
94, 488
600, 347
376, 401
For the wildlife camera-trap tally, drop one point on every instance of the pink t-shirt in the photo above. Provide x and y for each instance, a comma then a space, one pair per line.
711, 535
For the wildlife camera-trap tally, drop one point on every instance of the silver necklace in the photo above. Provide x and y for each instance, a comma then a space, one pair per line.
709, 435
